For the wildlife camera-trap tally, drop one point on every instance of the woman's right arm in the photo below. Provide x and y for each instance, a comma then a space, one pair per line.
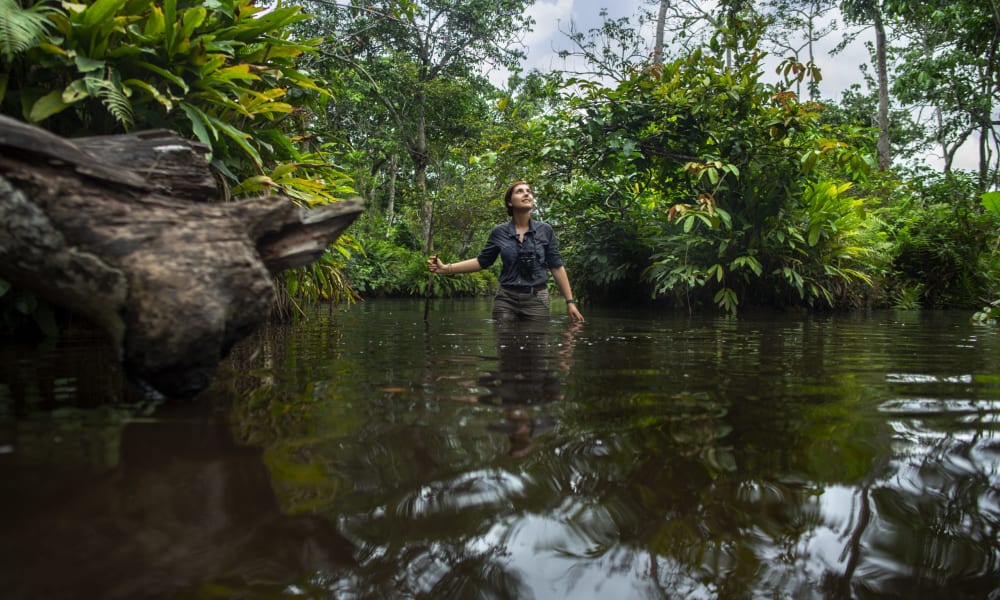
487, 257
470, 265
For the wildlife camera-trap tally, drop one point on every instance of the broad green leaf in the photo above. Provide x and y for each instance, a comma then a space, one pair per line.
165, 101
814, 232
169, 20
991, 201
154, 24
174, 79
239, 137
101, 11
193, 18
86, 64
724, 216
46, 106
253, 184
308, 184
212, 63
200, 125
282, 170
76, 91
236, 72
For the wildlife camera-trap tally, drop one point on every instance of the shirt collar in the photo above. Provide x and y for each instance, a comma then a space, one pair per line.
512, 230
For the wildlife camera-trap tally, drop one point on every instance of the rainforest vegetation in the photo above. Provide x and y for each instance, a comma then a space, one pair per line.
688, 161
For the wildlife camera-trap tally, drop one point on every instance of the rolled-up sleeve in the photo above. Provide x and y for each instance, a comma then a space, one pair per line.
553, 259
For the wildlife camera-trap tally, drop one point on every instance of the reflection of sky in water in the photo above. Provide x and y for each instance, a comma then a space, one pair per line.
838, 504
553, 560
633, 457
470, 490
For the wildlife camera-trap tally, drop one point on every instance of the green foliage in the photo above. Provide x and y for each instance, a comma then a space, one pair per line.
388, 270
734, 189
22, 27
908, 297
950, 66
419, 69
192, 58
324, 277
990, 314
943, 244
223, 72
382, 270
605, 244
857, 109
991, 202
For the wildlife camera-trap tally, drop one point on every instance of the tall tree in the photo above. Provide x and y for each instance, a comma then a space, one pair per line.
661, 23
952, 65
430, 42
870, 12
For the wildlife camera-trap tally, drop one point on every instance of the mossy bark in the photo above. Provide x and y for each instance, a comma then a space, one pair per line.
125, 230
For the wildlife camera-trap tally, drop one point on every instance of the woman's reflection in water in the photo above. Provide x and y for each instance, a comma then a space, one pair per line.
526, 376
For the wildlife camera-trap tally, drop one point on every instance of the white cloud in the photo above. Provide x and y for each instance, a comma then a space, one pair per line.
548, 17
553, 17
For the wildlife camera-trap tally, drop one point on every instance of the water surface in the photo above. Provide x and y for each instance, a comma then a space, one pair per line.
369, 454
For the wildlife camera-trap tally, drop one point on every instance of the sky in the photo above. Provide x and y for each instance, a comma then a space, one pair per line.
554, 16
551, 16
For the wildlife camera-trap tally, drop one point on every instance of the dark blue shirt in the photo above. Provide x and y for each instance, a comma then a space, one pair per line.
522, 263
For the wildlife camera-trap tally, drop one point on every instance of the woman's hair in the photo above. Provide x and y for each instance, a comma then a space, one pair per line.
509, 193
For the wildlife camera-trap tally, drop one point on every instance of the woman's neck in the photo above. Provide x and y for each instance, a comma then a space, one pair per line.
521, 218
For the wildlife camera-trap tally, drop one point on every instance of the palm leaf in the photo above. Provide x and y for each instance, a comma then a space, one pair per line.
22, 28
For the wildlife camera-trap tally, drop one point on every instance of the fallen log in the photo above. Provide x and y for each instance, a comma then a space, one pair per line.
124, 231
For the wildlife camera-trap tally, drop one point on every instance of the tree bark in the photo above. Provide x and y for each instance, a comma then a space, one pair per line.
121, 230
661, 21
390, 206
882, 144
420, 160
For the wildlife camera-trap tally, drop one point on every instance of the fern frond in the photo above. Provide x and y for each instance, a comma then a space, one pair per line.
114, 98
22, 28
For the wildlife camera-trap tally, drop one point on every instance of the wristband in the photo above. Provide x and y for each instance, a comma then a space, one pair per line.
570, 301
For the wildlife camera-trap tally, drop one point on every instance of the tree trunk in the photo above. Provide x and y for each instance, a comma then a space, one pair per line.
390, 208
119, 230
661, 21
884, 150
420, 171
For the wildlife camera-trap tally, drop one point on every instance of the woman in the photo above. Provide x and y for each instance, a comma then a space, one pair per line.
527, 250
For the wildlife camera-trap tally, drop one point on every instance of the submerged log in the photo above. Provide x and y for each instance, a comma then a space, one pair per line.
122, 230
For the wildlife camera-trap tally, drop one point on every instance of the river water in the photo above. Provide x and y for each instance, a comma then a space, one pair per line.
367, 453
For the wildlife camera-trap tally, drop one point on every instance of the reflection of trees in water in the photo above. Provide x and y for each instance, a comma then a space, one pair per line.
938, 518
714, 486
185, 514
80, 369
754, 519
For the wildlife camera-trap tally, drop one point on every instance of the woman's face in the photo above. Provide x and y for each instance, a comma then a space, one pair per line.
522, 197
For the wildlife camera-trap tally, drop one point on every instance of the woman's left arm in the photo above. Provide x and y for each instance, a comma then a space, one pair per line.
562, 281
